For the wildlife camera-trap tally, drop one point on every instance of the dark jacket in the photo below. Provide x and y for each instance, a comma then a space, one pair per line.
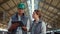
38, 28
24, 20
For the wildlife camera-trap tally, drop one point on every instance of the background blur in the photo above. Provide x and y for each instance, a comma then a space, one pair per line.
50, 10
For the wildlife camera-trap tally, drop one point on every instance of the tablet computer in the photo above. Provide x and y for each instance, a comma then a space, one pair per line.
18, 22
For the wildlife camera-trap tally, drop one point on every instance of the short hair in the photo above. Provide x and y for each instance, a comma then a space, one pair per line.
38, 13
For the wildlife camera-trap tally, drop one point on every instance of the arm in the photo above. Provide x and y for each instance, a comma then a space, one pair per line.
11, 26
27, 26
9, 23
43, 28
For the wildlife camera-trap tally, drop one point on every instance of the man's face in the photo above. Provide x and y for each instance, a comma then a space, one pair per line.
20, 11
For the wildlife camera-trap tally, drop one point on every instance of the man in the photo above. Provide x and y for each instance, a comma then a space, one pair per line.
19, 16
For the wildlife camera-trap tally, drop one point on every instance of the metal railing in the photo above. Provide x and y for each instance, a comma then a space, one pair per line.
3, 31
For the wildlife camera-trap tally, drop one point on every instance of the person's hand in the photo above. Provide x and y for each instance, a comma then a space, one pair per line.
24, 28
13, 26
17, 24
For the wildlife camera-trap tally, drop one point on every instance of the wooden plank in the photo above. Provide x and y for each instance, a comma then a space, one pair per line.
5, 6
10, 3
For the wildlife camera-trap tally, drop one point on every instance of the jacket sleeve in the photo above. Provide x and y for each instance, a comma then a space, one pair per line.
43, 28
9, 23
28, 24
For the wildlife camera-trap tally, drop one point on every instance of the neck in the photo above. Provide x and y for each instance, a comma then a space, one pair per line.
37, 19
20, 14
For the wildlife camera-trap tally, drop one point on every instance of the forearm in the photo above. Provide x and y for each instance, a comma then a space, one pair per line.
43, 28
